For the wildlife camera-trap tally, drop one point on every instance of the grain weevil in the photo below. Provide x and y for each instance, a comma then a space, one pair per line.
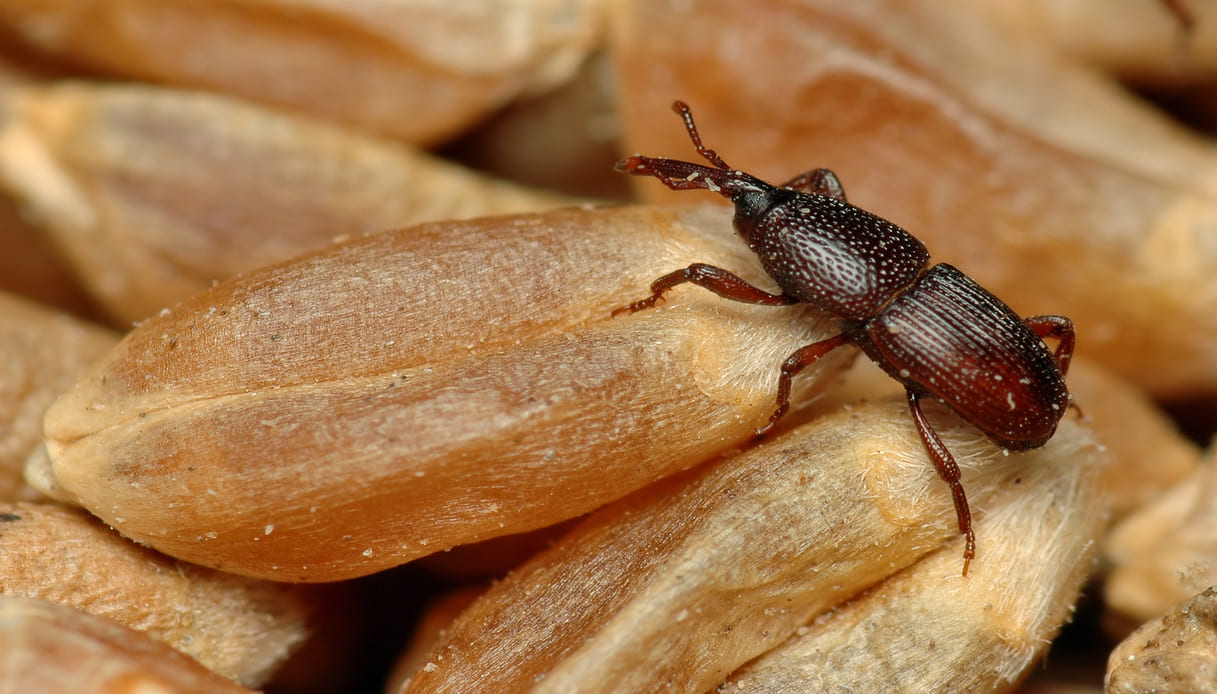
930, 327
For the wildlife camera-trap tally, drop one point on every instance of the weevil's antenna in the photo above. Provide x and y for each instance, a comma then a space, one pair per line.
711, 156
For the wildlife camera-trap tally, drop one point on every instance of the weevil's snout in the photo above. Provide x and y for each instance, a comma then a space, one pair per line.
684, 175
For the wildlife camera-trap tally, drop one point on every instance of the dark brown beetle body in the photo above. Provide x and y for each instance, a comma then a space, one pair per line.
930, 327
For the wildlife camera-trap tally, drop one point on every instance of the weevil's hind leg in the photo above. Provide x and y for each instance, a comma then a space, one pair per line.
722, 282
1058, 327
818, 181
802, 358
948, 470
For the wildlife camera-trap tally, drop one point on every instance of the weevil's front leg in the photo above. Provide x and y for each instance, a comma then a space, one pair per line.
948, 470
1058, 327
802, 358
818, 181
726, 284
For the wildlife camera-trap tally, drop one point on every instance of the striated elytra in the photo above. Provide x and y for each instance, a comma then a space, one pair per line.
930, 327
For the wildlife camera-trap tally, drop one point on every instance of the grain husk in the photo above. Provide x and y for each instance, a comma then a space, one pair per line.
407, 392
54, 649
154, 194
676, 586
418, 70
917, 632
437, 616
32, 267
1166, 552
1176, 652
42, 354
1148, 42
240, 628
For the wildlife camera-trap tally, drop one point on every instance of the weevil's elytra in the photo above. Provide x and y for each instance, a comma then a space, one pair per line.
949, 336
930, 327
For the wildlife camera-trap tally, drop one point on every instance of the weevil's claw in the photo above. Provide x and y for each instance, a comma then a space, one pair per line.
1073, 405
773, 421
636, 306
759, 435
969, 550
636, 165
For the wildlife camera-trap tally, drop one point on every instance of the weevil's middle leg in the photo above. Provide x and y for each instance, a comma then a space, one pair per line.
722, 282
948, 470
802, 358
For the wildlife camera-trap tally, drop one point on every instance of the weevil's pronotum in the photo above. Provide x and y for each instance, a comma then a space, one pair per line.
930, 327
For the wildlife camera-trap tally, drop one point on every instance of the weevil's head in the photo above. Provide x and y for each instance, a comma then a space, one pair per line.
751, 196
